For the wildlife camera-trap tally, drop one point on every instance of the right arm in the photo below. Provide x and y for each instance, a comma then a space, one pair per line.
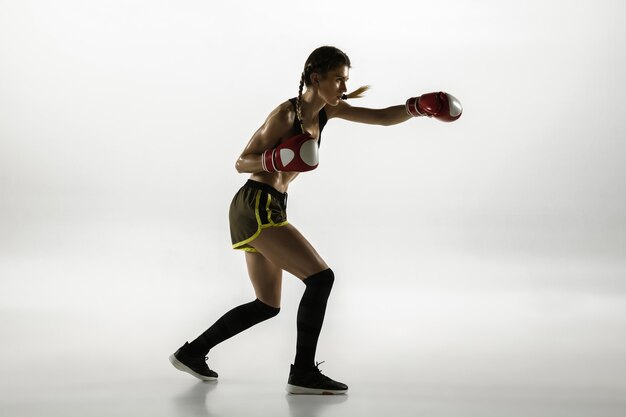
276, 126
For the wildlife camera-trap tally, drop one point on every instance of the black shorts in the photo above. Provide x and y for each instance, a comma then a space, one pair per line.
256, 206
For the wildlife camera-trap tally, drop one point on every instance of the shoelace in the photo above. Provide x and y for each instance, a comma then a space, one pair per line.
317, 364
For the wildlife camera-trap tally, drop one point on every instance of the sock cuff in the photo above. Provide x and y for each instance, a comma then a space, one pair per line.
266, 308
323, 278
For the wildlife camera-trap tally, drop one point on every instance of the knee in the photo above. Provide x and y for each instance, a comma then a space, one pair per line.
266, 310
324, 278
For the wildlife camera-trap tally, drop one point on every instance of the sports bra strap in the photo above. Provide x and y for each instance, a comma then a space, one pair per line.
323, 118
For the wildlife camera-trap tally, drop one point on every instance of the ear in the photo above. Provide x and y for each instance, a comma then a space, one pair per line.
315, 78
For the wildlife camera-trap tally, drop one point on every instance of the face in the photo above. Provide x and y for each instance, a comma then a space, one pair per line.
333, 85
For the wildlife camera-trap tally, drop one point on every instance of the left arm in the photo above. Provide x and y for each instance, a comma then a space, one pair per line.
384, 117
442, 106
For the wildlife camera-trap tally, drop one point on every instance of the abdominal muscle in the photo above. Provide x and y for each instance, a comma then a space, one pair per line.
278, 180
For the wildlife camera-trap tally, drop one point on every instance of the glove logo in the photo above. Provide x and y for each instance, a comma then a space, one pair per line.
286, 156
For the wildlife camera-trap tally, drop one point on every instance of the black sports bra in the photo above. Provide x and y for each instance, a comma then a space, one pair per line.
322, 120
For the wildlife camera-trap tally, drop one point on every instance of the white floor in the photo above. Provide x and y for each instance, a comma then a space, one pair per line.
110, 372
89, 336
176, 395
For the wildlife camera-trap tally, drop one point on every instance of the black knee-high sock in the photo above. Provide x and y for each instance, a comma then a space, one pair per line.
311, 316
235, 321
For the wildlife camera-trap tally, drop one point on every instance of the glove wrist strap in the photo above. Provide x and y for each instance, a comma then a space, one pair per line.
411, 107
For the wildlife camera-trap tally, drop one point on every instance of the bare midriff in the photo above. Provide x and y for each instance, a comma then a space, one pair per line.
278, 180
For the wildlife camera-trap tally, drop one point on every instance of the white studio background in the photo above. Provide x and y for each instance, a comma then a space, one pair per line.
489, 249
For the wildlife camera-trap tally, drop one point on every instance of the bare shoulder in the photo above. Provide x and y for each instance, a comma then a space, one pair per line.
357, 114
283, 115
335, 111
273, 130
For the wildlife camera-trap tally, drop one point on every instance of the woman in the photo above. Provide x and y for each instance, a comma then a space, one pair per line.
284, 146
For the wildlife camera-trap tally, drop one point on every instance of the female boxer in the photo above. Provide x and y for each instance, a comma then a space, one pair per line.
284, 146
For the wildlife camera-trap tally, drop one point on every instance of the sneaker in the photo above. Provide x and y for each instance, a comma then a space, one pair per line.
186, 361
312, 381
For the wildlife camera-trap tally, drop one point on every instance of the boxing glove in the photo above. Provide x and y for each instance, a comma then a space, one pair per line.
440, 105
297, 153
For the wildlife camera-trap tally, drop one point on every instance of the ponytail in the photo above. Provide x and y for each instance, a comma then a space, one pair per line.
356, 93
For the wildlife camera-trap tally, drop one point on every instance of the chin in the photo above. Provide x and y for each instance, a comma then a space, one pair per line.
332, 101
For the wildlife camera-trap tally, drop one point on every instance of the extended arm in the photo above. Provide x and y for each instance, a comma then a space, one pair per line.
385, 117
440, 105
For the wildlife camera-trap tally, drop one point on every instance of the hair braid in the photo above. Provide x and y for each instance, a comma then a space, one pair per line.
298, 107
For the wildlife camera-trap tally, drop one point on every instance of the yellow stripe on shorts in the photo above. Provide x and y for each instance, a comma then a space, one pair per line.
260, 226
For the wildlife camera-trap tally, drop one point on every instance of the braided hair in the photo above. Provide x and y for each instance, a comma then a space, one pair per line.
322, 60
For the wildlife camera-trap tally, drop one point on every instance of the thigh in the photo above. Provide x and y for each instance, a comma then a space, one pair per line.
286, 248
266, 278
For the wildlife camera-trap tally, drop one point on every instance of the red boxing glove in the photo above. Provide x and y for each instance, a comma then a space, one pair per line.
298, 153
442, 106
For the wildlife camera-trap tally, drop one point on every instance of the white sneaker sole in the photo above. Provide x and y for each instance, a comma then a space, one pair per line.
295, 389
182, 367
